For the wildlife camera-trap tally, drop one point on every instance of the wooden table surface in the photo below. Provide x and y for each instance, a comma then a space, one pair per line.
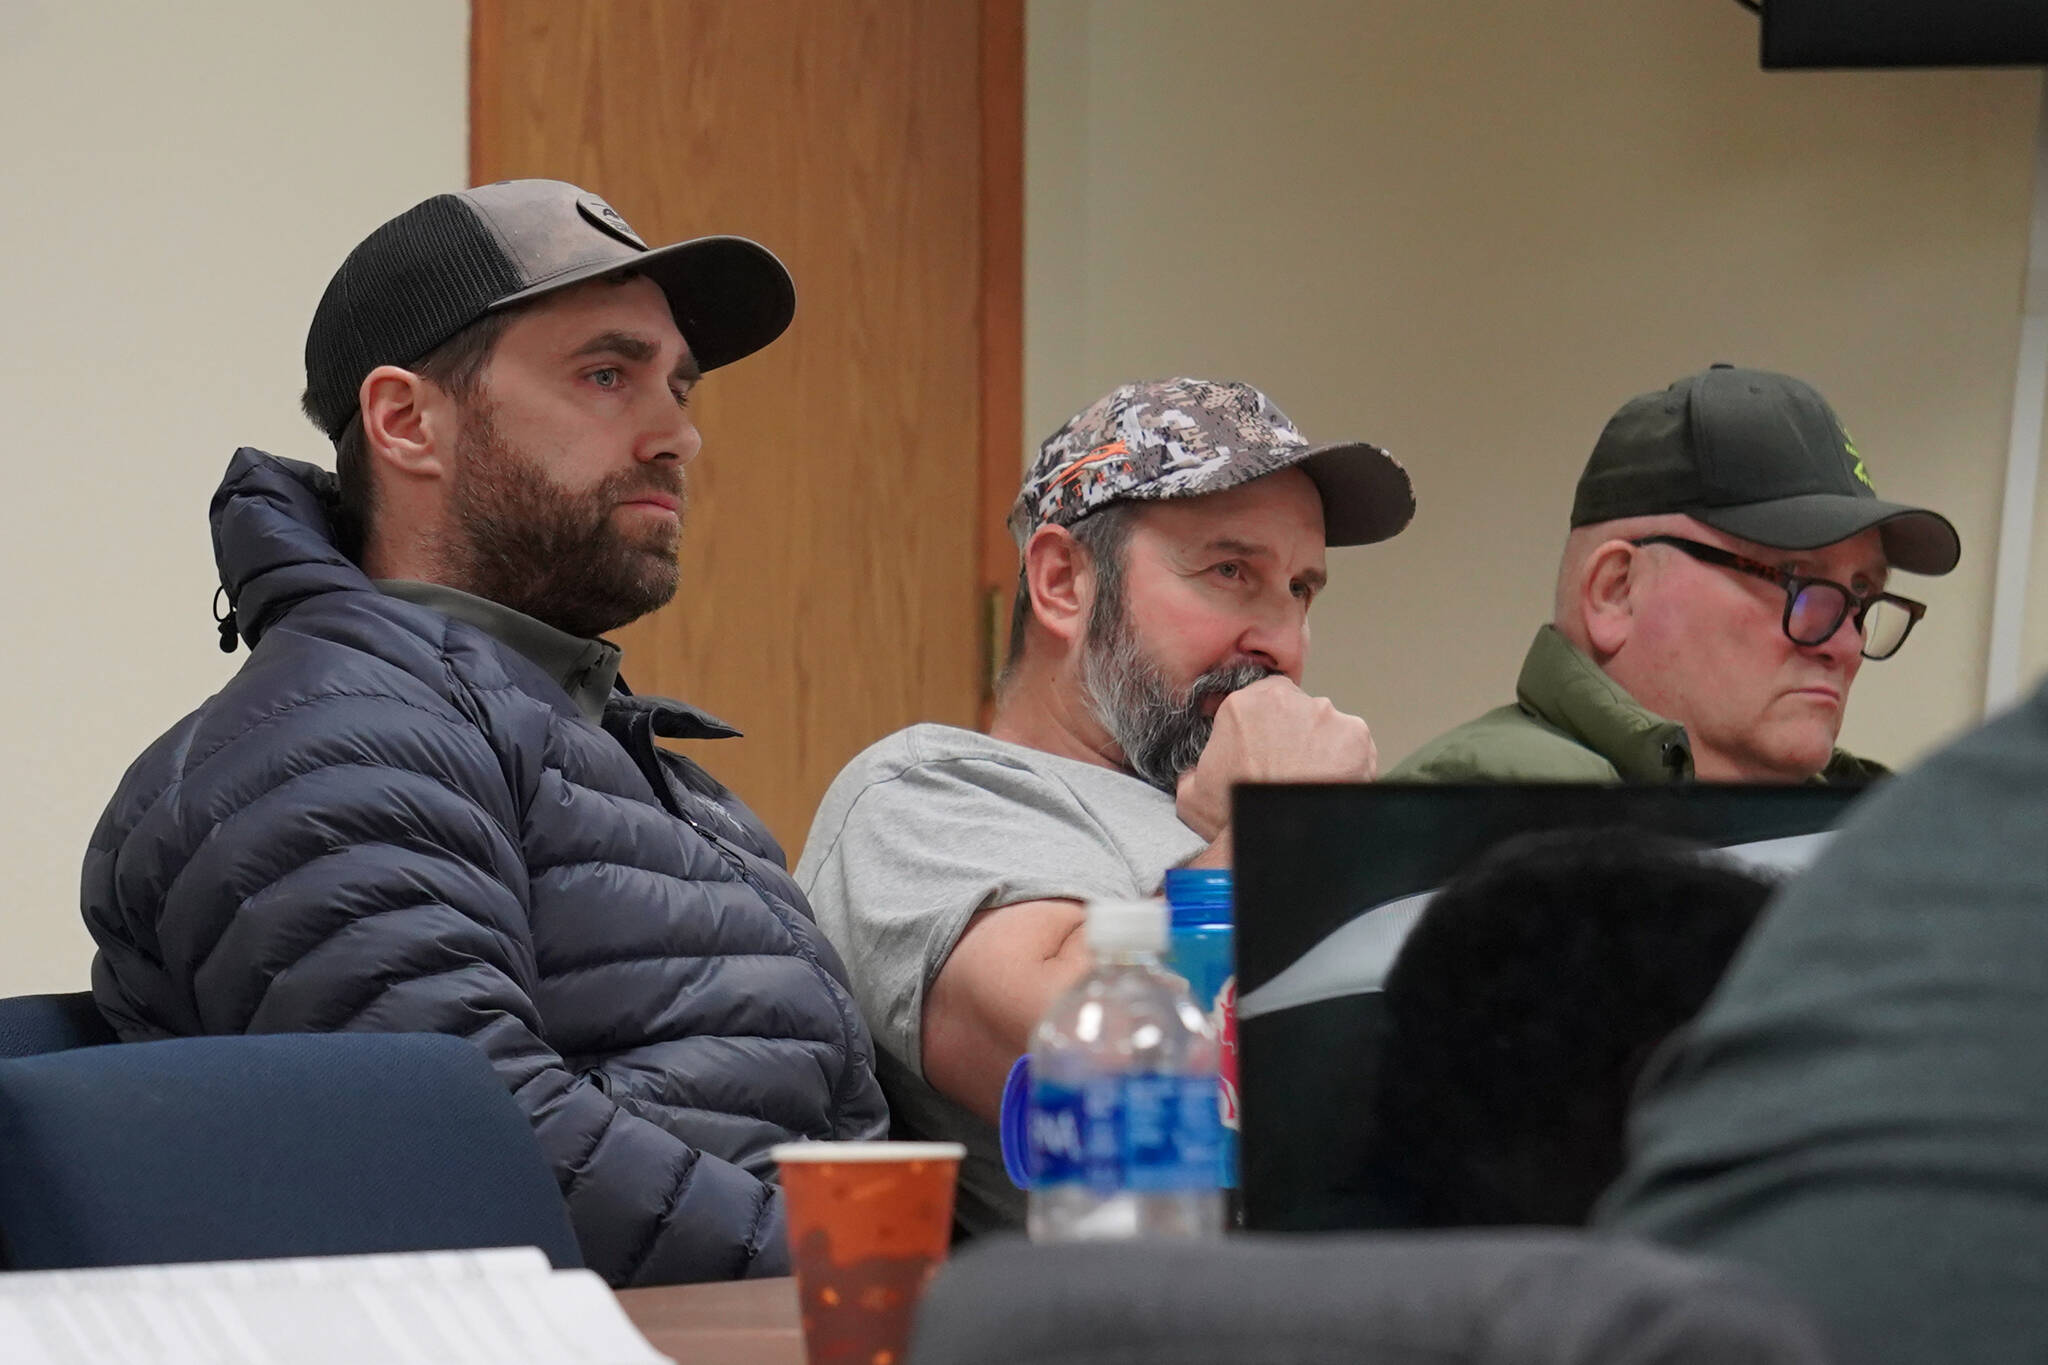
746, 1322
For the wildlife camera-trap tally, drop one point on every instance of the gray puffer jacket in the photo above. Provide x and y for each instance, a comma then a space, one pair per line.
387, 820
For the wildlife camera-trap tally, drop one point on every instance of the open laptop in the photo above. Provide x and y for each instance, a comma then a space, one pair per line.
1330, 878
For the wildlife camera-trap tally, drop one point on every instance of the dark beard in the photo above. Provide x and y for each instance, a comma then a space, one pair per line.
1162, 730
523, 540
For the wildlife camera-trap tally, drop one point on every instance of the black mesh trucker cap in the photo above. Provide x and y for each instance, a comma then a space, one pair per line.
442, 264
1758, 455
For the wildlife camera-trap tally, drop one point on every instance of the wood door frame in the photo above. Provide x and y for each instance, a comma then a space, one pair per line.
999, 468
1002, 318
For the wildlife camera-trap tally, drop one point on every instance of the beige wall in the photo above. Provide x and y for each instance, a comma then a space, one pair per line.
178, 182
1470, 230
1466, 230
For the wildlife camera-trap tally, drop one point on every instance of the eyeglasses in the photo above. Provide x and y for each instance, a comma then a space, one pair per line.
1816, 607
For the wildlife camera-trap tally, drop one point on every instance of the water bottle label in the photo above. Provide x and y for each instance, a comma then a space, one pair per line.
1055, 1125
1171, 1133
1149, 1134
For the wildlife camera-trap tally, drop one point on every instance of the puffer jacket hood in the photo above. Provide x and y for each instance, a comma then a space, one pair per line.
390, 821
273, 538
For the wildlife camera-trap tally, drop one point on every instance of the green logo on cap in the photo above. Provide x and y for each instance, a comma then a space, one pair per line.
1861, 474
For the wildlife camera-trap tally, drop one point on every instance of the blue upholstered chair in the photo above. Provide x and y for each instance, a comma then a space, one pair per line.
274, 1145
30, 1024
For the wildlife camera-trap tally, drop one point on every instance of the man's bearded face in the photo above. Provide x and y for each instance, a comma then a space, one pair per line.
552, 552
1162, 729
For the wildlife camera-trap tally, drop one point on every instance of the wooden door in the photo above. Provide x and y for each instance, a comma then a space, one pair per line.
844, 525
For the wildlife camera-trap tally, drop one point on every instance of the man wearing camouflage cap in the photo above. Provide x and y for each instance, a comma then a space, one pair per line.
1172, 538
1722, 585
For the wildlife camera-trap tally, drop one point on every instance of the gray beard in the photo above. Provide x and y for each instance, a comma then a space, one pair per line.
1161, 730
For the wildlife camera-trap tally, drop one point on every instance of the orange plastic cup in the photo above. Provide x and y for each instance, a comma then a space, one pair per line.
869, 1223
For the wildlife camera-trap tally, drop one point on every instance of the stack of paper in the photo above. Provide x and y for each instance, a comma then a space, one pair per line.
499, 1307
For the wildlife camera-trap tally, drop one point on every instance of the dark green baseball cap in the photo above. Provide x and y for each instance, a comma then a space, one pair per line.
1758, 455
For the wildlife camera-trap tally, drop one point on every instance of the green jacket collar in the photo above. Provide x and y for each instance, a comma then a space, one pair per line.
1568, 691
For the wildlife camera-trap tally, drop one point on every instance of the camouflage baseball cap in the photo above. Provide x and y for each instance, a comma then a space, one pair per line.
1181, 438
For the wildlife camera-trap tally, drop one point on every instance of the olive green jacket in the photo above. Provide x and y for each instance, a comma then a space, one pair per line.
1572, 723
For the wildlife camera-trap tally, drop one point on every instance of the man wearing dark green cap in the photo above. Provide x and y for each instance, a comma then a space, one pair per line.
1722, 585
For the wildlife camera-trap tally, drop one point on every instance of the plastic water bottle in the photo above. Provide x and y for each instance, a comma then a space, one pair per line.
1123, 1119
1201, 951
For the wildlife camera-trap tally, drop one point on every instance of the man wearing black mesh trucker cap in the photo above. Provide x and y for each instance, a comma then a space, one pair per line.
1726, 576
427, 804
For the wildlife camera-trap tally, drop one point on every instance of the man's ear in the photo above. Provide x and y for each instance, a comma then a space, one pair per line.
1607, 587
1061, 580
408, 422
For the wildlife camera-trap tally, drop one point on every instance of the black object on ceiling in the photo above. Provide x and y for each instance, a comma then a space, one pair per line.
1804, 34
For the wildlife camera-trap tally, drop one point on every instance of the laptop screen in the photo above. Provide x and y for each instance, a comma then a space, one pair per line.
1329, 879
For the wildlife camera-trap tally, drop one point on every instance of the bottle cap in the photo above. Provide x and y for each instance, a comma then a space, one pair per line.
1126, 926
1198, 895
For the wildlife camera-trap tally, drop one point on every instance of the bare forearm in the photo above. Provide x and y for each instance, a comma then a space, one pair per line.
991, 993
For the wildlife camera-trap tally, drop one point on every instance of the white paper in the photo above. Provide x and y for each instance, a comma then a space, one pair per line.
498, 1307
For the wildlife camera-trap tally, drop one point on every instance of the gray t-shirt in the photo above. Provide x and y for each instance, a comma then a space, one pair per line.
925, 828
